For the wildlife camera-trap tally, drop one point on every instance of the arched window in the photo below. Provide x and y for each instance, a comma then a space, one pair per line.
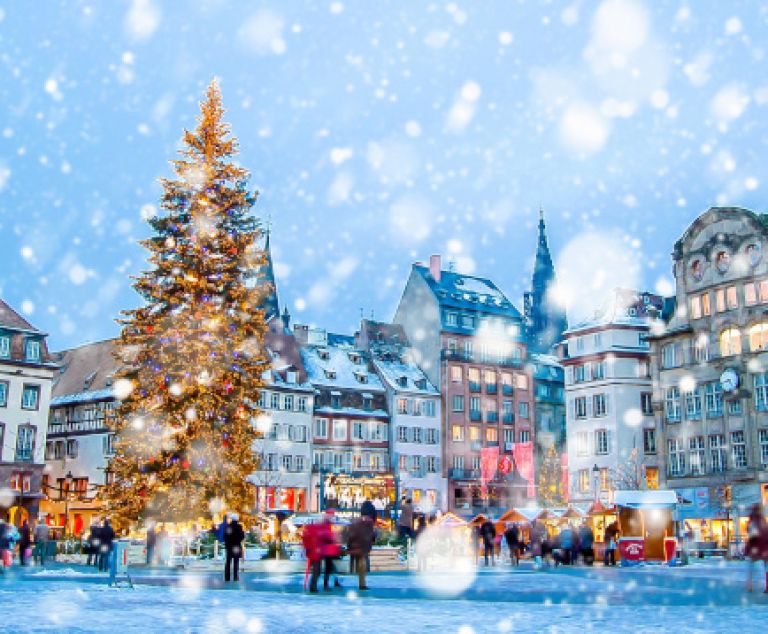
730, 342
758, 337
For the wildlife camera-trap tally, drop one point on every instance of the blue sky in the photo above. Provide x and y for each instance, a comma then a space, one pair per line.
378, 133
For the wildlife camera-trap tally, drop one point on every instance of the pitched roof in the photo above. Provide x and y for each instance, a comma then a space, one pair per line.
624, 307
403, 376
86, 372
10, 319
339, 367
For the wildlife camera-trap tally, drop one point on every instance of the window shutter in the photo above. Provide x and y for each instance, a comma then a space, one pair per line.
587, 371
607, 404
590, 407
569, 374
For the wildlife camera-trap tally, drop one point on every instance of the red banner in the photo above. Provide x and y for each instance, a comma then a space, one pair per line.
524, 460
565, 481
489, 461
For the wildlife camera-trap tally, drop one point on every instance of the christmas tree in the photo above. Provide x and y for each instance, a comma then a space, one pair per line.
550, 480
193, 353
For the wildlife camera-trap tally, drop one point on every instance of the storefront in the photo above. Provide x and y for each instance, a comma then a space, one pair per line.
285, 498
347, 492
646, 522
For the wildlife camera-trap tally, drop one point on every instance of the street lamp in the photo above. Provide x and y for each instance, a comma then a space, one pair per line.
68, 485
596, 478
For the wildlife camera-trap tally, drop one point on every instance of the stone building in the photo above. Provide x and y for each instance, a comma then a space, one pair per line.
612, 439
470, 342
26, 372
710, 373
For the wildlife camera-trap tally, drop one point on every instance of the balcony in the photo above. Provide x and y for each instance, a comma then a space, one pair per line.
492, 417
491, 388
475, 415
507, 390
508, 419
474, 387
463, 474
76, 426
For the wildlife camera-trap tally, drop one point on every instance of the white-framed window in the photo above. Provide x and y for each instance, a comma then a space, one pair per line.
597, 340
300, 433
475, 463
274, 400
457, 433
692, 404
525, 435
72, 448
108, 444
288, 403
287, 463
701, 348
458, 462
456, 374
646, 403
676, 456
358, 430
4, 393
32, 350
299, 462
598, 370
339, 429
402, 434
717, 456
579, 344
600, 404
672, 404
697, 455
762, 438
5, 346
402, 406
523, 409
25, 442
582, 443
521, 381
433, 464
730, 342
417, 434
584, 480
671, 356
416, 403
580, 406
428, 408
649, 441
602, 442
738, 450
457, 403
302, 404
451, 319
321, 428
30, 397
579, 374
761, 391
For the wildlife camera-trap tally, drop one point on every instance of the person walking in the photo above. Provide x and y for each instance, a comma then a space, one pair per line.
564, 546
6, 554
330, 550
41, 541
611, 537
233, 543
405, 521
359, 544
512, 537
94, 539
25, 543
538, 534
310, 538
757, 544
488, 534
421, 547
106, 537
587, 543
151, 543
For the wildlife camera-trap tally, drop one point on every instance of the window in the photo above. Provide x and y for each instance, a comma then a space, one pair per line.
475, 463
402, 434
600, 403
72, 447
428, 408
649, 441
300, 433
695, 307
489, 376
584, 480
764, 291
758, 337
457, 433
457, 403
302, 404
720, 300
652, 478
474, 434
701, 349
761, 391
602, 442
30, 398
468, 349
730, 342
288, 402
335, 401
672, 404
670, 355
598, 370
58, 450
579, 374
433, 436
299, 461
506, 382
5, 347
713, 394
458, 462
597, 339
697, 455
731, 297
288, 463
339, 429
260, 401
646, 403
692, 404
580, 406
605, 479
706, 308
456, 374
739, 450
525, 435
32, 350
762, 436
432, 464
717, 456
358, 430
467, 321
3, 393
402, 463
579, 344
473, 375
274, 400
509, 436
642, 340
451, 319
582, 443
523, 409
750, 293
402, 406
321, 428
417, 407
492, 434
676, 457
734, 407
522, 381
367, 403
417, 436
25, 442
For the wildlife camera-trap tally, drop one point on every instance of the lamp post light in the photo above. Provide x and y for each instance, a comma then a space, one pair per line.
67, 486
596, 478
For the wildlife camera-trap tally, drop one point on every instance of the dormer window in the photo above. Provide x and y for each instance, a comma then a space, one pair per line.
421, 384
367, 402
336, 400
330, 374
451, 319
32, 350
361, 378
402, 381
323, 354
354, 358
5, 346
291, 376
266, 375
88, 380
109, 380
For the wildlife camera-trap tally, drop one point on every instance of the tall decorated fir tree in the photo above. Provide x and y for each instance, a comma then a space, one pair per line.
550, 480
193, 353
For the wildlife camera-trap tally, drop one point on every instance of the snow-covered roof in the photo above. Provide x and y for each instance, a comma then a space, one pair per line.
624, 307
402, 376
340, 368
351, 411
645, 499
88, 396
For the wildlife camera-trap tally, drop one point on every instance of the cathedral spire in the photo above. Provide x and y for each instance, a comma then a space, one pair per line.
267, 276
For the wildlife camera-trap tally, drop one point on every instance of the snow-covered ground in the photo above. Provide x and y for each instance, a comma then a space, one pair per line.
705, 598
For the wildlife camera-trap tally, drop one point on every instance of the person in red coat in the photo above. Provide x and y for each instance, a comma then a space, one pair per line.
757, 543
312, 547
330, 549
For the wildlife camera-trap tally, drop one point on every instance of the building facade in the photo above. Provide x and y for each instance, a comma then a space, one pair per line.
79, 441
415, 439
611, 431
549, 403
470, 342
709, 366
26, 373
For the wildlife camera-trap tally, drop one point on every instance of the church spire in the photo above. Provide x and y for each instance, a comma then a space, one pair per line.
267, 276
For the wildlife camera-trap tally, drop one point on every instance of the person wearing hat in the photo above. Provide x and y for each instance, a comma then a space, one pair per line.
233, 543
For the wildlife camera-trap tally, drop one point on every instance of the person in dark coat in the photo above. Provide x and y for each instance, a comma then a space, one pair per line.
25, 543
94, 540
151, 543
359, 544
106, 537
611, 537
587, 544
757, 543
488, 534
233, 543
512, 537
367, 509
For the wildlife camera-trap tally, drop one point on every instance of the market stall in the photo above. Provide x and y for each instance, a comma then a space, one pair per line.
646, 524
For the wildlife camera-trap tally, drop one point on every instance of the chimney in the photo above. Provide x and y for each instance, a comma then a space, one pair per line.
434, 267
